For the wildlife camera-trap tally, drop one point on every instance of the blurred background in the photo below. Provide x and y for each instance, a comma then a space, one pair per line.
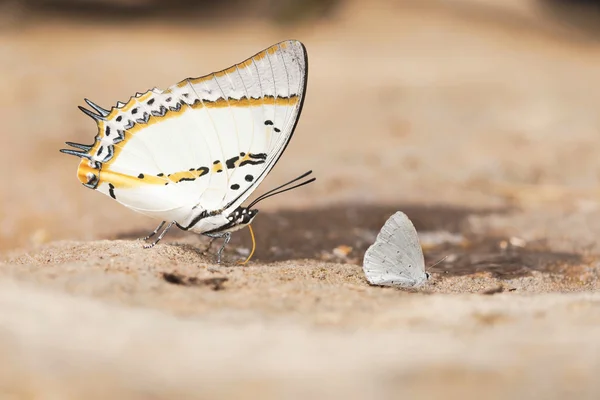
451, 102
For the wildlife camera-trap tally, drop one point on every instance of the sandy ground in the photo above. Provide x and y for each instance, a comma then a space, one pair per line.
480, 124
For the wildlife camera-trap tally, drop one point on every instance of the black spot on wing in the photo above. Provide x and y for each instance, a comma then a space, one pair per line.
176, 107
111, 191
145, 118
231, 162
235, 186
251, 162
202, 170
160, 112
141, 176
109, 153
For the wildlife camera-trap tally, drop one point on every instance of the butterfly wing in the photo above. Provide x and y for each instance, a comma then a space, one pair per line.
396, 257
262, 101
203, 144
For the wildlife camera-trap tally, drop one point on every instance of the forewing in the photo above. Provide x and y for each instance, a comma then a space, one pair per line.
249, 111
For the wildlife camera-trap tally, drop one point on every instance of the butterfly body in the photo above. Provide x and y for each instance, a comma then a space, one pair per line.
193, 153
219, 222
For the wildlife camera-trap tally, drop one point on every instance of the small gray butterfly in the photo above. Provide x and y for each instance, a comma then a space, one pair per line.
396, 257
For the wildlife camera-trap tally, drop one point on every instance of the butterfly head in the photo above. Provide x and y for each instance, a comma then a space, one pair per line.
240, 218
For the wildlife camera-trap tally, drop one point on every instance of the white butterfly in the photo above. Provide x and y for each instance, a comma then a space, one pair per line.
190, 155
396, 257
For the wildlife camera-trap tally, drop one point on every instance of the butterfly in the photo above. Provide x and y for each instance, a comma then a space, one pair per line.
396, 257
190, 155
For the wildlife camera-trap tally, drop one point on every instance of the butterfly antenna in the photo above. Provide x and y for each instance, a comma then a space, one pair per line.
277, 190
431, 266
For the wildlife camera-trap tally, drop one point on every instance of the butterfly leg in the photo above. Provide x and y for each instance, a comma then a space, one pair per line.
226, 235
212, 239
147, 246
227, 239
155, 231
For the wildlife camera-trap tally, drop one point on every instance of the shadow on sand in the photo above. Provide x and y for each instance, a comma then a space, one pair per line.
315, 233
